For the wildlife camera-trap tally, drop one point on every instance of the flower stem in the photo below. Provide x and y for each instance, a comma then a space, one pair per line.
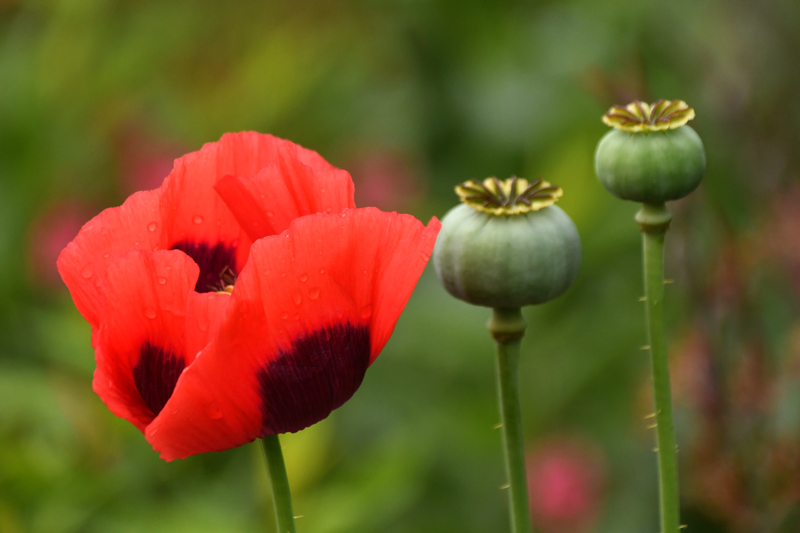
654, 220
279, 483
507, 327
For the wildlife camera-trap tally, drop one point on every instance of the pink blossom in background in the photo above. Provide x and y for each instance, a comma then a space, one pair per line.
387, 180
50, 232
565, 484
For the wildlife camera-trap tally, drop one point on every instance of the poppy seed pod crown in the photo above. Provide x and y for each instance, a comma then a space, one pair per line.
650, 155
506, 244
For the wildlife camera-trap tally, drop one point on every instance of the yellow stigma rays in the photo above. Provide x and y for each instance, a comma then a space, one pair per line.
513, 196
639, 116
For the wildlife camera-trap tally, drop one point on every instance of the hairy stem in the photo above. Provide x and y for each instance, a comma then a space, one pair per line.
507, 327
654, 221
279, 483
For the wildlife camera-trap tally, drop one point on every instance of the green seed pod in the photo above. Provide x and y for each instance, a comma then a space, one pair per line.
506, 245
650, 156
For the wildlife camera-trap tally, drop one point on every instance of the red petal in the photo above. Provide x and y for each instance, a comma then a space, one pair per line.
112, 233
193, 212
141, 346
267, 203
204, 314
291, 348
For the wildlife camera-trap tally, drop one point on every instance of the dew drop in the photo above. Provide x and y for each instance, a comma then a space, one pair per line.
136, 243
86, 273
152, 226
283, 274
263, 195
213, 411
321, 270
313, 294
270, 214
161, 280
168, 267
303, 277
197, 219
296, 316
322, 190
149, 312
344, 215
366, 312
297, 298
203, 326
103, 231
106, 256
328, 209
285, 316
98, 283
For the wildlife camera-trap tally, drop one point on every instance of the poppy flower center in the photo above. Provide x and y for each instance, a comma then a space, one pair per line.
156, 374
217, 264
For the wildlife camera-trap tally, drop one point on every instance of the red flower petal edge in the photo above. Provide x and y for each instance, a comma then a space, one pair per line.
311, 310
141, 348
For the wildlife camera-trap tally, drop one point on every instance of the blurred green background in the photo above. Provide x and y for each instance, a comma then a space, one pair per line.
98, 96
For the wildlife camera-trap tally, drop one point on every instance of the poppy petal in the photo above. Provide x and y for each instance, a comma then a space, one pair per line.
266, 203
197, 221
204, 314
102, 240
141, 349
302, 328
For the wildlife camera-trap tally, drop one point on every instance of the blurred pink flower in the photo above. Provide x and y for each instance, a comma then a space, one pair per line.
565, 483
50, 232
386, 180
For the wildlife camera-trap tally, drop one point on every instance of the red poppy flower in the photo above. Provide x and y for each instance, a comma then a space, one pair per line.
205, 343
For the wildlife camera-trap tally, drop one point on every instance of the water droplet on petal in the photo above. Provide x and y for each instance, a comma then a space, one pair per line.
366, 312
203, 326
321, 270
106, 256
313, 294
87, 273
168, 267
161, 280
270, 214
283, 274
150, 312
197, 219
322, 190
303, 277
152, 226
328, 209
213, 411
296, 316
285, 316
297, 298
136, 243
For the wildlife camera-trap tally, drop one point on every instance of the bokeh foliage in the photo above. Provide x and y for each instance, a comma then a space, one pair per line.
414, 97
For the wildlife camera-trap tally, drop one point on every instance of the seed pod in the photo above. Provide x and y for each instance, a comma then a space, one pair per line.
507, 245
651, 155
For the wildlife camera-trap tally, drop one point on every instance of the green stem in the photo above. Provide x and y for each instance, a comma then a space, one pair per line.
654, 220
279, 483
507, 327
